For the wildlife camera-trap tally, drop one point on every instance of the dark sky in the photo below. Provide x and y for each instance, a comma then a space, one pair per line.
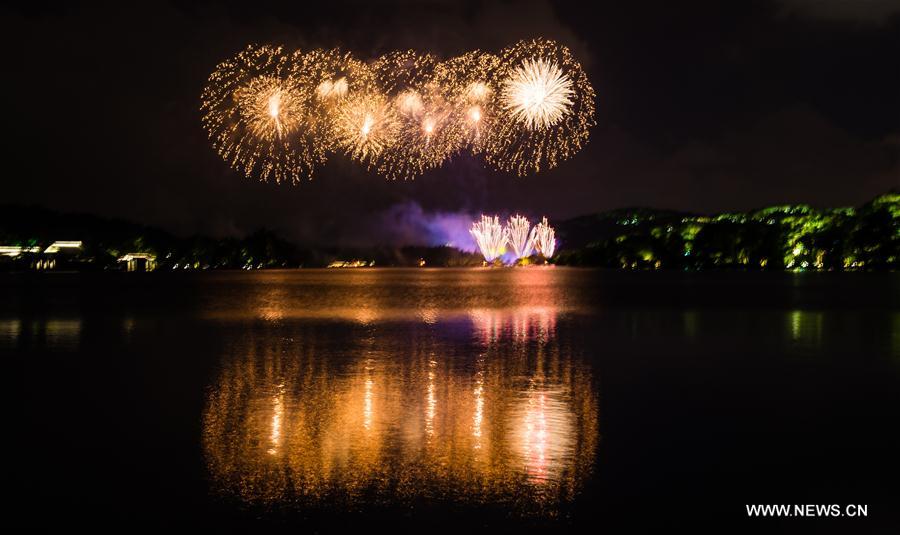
702, 106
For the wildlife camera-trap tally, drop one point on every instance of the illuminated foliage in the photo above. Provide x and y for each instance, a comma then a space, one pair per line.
794, 237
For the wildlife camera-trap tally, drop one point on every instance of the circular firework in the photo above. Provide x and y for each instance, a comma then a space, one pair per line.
545, 104
469, 82
336, 78
256, 112
274, 114
428, 129
365, 126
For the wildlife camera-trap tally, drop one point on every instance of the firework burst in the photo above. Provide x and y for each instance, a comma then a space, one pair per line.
537, 94
490, 236
468, 81
337, 79
366, 126
429, 131
256, 112
274, 114
521, 236
547, 108
544, 238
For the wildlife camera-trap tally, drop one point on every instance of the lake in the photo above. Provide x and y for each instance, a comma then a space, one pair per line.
444, 400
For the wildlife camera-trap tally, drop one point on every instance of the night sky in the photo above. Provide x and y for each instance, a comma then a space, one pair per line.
702, 106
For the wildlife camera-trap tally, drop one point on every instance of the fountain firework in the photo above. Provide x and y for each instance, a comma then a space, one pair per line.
521, 236
544, 238
490, 236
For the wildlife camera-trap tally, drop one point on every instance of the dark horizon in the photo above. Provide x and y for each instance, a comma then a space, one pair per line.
409, 223
702, 108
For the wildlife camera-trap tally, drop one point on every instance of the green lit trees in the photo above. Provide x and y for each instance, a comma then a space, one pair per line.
795, 237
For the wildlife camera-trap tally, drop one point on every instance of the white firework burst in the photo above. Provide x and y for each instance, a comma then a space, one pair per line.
519, 238
490, 236
538, 93
544, 238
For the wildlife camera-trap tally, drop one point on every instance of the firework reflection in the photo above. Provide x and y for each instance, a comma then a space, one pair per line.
512, 421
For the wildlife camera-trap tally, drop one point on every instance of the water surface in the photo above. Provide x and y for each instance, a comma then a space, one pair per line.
447, 399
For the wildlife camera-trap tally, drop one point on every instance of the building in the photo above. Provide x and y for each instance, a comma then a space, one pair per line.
139, 261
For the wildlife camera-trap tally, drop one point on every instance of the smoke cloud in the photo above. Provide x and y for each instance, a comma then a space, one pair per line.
408, 224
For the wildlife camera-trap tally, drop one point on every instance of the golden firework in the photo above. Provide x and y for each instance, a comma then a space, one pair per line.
256, 112
469, 83
270, 113
365, 127
399, 71
546, 105
335, 77
429, 131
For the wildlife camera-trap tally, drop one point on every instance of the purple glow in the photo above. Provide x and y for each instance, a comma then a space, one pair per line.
408, 224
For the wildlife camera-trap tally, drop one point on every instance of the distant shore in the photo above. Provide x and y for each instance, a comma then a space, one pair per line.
794, 237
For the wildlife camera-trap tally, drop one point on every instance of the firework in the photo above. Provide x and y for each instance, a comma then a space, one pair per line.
469, 82
429, 131
274, 114
255, 109
490, 236
365, 126
337, 79
547, 108
544, 238
521, 241
396, 72
537, 94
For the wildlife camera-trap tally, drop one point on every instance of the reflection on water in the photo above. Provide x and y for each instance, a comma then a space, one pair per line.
62, 333
394, 414
54, 334
807, 327
367, 296
440, 398
895, 334
9, 332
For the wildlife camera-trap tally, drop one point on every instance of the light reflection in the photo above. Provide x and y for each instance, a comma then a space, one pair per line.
277, 413
807, 327
519, 324
515, 423
431, 403
478, 392
535, 437
9, 331
57, 334
895, 334
364, 296
367, 404
60, 333
544, 433
429, 315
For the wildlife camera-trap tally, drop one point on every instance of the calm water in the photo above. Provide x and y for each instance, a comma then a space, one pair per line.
473, 399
